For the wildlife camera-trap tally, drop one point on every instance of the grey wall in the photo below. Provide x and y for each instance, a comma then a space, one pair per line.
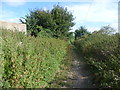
13, 26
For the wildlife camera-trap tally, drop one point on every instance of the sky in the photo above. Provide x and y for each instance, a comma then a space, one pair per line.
93, 14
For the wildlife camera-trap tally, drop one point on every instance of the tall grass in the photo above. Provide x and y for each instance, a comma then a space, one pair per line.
29, 62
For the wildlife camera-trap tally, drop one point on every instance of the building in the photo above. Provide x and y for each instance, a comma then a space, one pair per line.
13, 26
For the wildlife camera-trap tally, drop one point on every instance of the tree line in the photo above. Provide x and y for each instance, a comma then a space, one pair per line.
55, 23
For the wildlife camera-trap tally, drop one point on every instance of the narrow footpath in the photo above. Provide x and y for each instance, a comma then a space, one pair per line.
79, 76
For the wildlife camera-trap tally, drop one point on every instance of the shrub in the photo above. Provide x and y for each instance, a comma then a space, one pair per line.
101, 52
30, 62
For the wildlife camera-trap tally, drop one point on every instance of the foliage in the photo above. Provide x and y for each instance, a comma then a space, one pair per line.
107, 30
80, 32
101, 52
63, 20
58, 21
71, 37
30, 62
62, 76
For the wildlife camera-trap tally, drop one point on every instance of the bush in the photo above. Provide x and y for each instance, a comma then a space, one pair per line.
101, 52
30, 62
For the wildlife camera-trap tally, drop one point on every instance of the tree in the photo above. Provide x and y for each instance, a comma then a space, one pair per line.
106, 30
63, 20
81, 32
38, 20
58, 21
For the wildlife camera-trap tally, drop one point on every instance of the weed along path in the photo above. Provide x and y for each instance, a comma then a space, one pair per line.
78, 76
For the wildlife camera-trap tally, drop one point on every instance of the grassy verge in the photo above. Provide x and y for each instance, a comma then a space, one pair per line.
62, 75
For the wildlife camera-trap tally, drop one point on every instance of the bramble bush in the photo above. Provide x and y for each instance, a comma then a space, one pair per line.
102, 54
28, 61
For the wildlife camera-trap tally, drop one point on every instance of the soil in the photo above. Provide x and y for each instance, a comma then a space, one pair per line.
79, 76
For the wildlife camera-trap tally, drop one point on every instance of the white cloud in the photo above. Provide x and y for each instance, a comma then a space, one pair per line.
115, 26
99, 11
103, 12
10, 16
6, 14
16, 20
15, 2
92, 29
95, 13
44, 8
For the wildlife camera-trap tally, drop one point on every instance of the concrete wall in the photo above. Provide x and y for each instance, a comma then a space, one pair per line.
13, 26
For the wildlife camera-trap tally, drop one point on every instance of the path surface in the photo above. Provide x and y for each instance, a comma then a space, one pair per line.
79, 76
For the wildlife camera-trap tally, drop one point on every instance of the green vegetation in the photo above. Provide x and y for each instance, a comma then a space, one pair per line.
62, 76
41, 59
30, 62
102, 54
58, 21
81, 32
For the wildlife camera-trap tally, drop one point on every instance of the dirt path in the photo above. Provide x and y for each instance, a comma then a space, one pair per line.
79, 76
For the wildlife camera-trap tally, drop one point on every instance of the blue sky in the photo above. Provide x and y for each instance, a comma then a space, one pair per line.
93, 14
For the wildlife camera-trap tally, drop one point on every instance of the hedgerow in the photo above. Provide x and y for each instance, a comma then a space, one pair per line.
102, 53
28, 61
